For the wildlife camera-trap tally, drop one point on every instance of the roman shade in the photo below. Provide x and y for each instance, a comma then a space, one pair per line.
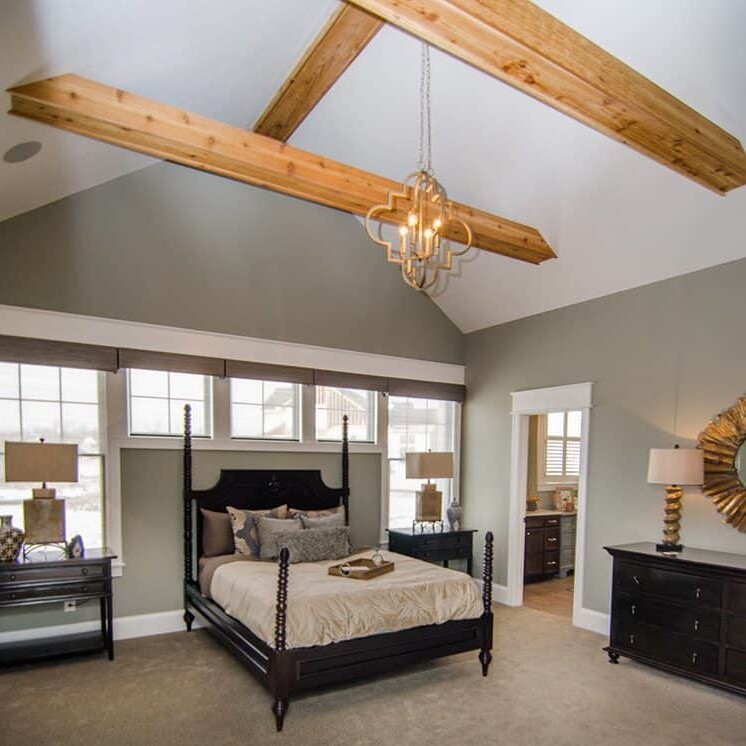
268, 372
350, 380
50, 352
427, 389
173, 362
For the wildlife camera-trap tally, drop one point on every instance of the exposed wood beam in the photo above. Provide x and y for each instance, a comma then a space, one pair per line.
342, 39
523, 45
105, 113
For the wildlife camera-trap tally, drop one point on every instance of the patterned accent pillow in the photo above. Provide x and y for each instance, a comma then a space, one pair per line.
245, 533
268, 528
335, 520
315, 544
298, 513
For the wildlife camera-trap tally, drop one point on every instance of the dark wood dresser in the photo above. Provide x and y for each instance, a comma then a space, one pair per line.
685, 614
50, 578
435, 546
550, 544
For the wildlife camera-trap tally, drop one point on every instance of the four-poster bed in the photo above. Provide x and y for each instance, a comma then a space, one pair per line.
284, 669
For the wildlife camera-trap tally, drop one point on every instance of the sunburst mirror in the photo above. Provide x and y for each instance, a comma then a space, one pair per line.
724, 444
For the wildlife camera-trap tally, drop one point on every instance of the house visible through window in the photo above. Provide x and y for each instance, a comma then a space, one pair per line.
59, 405
265, 409
332, 403
416, 425
157, 399
559, 452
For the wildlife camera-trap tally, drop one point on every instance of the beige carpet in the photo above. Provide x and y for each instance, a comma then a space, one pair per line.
549, 684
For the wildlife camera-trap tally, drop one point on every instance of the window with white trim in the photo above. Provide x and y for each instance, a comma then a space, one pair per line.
559, 448
416, 425
265, 410
61, 405
156, 400
333, 402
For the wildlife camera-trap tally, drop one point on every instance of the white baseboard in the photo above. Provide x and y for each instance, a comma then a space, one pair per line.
125, 627
594, 621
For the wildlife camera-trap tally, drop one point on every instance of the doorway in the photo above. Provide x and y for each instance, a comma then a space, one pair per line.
558, 507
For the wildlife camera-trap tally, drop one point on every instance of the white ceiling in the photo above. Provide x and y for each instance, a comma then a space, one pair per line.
615, 218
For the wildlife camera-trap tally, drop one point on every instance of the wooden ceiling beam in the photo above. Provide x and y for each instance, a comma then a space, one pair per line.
519, 43
346, 34
102, 112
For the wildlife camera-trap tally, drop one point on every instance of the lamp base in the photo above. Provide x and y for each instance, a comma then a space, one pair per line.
663, 547
429, 505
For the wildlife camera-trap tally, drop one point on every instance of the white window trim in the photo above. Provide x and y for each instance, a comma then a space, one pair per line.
543, 482
68, 327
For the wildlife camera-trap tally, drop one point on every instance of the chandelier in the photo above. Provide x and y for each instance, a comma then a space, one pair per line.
423, 248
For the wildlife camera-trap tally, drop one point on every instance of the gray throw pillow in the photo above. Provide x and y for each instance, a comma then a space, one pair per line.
336, 520
268, 530
245, 532
315, 544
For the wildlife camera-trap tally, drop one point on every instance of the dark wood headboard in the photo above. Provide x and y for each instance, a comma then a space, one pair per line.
256, 489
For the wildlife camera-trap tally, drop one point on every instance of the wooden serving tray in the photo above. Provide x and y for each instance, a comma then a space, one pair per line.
361, 569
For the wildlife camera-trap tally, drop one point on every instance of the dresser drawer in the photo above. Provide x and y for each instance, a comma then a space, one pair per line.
735, 631
678, 650
703, 624
551, 539
438, 554
29, 574
737, 597
552, 522
441, 541
61, 590
532, 522
551, 562
735, 665
690, 588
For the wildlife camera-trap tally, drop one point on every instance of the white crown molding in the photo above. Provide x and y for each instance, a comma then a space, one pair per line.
555, 398
69, 327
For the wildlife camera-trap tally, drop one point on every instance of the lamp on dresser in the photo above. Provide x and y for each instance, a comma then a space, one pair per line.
429, 465
44, 514
675, 467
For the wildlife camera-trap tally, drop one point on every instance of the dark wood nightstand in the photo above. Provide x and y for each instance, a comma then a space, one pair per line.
438, 546
44, 578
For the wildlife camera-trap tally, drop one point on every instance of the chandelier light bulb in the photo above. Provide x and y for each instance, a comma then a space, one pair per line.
428, 233
412, 219
437, 224
403, 231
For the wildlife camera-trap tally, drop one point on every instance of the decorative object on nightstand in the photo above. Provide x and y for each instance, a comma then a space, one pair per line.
75, 548
11, 539
723, 443
454, 513
674, 467
429, 465
44, 514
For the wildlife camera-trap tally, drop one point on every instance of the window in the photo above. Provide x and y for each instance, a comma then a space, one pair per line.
416, 425
157, 399
332, 403
59, 405
265, 409
559, 451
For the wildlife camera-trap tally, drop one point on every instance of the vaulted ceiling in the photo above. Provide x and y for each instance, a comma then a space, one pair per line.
615, 218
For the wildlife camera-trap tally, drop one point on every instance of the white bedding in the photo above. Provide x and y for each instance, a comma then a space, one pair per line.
323, 608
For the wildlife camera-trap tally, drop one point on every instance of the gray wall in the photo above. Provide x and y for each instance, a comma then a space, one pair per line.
167, 245
152, 522
641, 349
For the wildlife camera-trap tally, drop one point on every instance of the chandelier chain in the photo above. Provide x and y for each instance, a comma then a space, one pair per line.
426, 148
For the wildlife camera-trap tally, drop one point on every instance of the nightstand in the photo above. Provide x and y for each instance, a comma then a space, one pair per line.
45, 578
438, 546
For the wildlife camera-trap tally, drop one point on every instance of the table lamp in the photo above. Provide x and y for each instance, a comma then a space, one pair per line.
674, 467
44, 515
429, 465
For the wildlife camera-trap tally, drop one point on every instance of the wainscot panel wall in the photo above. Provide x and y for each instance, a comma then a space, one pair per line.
641, 349
171, 246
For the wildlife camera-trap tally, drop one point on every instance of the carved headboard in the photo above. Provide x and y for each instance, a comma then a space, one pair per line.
256, 489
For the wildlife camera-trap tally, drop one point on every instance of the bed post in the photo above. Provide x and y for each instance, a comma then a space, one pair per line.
346, 469
280, 673
187, 498
485, 654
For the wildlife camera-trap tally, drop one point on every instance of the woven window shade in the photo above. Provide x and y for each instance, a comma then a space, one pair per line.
63, 354
172, 362
268, 372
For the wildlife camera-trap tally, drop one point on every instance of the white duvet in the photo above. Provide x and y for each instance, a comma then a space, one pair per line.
323, 608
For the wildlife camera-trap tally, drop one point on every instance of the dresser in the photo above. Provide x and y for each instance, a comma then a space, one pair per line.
549, 544
436, 546
685, 614
51, 579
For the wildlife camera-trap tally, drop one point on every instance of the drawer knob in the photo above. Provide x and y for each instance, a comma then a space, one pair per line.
694, 657
528, 533
84, 571
13, 596
634, 609
551, 538
631, 639
697, 593
696, 625
636, 579
85, 589
13, 577
551, 563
